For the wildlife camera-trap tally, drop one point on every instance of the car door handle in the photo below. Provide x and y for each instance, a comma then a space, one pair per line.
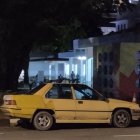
80, 102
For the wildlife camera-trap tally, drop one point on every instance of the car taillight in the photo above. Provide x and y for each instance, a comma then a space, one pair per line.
10, 102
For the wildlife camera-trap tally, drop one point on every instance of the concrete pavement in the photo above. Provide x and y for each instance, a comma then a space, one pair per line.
72, 132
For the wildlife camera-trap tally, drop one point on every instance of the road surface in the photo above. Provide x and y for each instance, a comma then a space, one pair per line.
72, 132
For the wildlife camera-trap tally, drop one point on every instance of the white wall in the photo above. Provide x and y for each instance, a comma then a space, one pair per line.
35, 66
107, 30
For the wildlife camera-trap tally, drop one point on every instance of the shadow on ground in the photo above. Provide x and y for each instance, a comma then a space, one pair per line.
79, 126
84, 126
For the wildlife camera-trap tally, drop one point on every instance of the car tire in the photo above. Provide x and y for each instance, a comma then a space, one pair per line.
43, 121
121, 118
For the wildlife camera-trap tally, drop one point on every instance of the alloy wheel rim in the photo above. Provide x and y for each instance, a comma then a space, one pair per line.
43, 121
122, 119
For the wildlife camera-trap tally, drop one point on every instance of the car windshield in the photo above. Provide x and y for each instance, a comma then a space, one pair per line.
34, 90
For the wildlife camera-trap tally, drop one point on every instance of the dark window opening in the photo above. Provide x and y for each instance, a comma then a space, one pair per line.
105, 69
121, 26
105, 56
105, 82
124, 26
100, 57
111, 56
110, 69
111, 83
99, 81
100, 69
118, 27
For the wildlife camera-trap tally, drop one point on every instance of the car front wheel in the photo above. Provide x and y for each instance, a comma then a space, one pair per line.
121, 118
43, 121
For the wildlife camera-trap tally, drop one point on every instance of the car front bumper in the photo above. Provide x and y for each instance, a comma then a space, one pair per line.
135, 114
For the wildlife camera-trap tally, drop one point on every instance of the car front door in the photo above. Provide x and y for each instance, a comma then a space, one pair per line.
60, 97
88, 104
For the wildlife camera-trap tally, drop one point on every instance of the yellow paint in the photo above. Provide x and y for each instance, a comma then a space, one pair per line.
127, 57
65, 110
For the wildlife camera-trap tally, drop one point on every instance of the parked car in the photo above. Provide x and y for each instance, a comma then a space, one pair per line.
53, 103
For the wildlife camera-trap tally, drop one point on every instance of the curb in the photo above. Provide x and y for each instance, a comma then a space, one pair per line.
14, 122
8, 122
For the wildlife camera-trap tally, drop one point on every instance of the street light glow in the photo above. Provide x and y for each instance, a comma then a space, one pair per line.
82, 57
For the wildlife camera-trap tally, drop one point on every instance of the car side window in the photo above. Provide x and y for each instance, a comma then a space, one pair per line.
60, 91
83, 92
53, 93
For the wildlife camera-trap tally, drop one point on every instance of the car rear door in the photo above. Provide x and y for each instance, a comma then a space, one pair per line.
88, 105
60, 97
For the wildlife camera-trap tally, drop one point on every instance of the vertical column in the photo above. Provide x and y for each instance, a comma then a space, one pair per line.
95, 63
87, 74
92, 67
81, 71
70, 65
56, 70
50, 67
47, 70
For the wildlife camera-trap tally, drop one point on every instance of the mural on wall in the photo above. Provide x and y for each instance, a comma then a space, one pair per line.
103, 72
127, 72
118, 70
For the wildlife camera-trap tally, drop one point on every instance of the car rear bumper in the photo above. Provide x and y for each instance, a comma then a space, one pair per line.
14, 113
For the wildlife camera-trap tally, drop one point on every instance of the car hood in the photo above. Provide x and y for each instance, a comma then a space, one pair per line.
114, 103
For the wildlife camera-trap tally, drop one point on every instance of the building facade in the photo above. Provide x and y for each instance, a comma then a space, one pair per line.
79, 61
116, 65
122, 21
110, 63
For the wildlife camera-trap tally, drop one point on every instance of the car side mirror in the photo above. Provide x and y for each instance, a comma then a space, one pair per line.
103, 98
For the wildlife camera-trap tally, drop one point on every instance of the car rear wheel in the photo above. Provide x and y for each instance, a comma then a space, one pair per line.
121, 118
43, 121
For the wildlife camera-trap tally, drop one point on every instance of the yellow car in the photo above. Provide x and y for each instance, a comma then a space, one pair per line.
69, 103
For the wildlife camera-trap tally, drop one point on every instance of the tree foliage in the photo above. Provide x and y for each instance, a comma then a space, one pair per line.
51, 23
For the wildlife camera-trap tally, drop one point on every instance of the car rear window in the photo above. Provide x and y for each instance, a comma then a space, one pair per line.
34, 90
